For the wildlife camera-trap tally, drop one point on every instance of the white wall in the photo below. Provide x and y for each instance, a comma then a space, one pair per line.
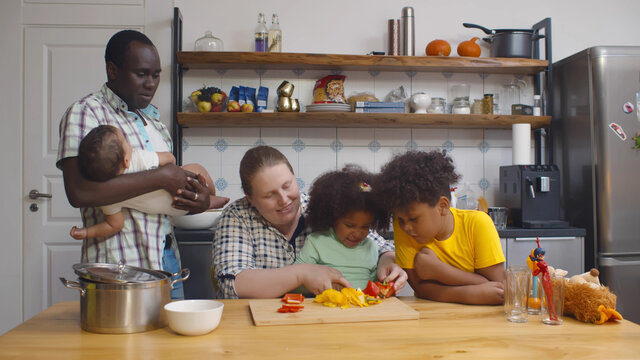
359, 26
11, 180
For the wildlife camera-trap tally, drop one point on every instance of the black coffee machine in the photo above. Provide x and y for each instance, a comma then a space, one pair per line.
532, 194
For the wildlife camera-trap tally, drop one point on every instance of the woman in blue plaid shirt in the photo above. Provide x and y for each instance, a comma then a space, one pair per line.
259, 236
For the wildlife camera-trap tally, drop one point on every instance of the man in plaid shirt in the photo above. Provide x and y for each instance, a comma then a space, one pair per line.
133, 72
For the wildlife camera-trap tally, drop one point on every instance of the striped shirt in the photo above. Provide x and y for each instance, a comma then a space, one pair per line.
244, 239
141, 241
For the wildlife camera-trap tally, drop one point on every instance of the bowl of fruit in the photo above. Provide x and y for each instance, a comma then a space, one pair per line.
209, 99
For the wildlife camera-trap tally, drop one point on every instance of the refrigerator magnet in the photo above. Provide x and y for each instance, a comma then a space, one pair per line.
637, 140
638, 105
617, 129
627, 107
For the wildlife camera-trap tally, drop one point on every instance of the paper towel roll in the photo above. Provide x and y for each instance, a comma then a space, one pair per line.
521, 144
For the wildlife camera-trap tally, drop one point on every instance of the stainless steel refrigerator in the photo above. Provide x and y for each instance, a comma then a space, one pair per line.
594, 132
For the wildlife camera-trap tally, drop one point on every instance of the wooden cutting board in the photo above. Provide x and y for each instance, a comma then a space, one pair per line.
265, 313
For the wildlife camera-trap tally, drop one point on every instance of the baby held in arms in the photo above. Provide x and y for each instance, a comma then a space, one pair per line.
104, 154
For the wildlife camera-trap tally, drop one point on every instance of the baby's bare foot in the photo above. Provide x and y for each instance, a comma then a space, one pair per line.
218, 202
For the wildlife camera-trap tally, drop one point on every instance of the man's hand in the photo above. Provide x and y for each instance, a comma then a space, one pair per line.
174, 178
195, 197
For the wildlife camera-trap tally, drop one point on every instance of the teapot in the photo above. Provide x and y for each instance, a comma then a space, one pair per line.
511, 94
420, 102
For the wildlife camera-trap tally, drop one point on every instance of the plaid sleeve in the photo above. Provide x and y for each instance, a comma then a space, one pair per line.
383, 244
76, 122
232, 250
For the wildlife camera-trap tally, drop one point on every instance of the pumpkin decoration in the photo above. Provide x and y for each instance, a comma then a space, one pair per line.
438, 48
469, 48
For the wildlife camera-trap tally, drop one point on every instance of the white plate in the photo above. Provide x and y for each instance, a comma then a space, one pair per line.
328, 107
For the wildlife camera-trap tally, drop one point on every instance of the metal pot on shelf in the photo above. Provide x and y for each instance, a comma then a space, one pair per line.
121, 299
510, 43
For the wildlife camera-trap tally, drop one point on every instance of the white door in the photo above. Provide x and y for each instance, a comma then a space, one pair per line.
63, 61
61, 66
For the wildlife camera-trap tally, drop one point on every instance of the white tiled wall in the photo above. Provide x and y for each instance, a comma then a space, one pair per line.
477, 153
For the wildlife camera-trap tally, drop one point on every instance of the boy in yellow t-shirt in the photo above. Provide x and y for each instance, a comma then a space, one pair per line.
450, 255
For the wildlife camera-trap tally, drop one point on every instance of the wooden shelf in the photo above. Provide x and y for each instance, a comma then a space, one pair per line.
291, 61
351, 119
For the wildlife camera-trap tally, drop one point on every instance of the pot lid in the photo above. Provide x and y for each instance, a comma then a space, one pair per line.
528, 31
117, 273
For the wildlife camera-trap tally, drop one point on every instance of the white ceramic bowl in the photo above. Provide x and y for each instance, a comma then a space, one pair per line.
204, 220
194, 317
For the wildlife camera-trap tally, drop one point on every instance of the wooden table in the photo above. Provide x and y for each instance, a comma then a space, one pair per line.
443, 331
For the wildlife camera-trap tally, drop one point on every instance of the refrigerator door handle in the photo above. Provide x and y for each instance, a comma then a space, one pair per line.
611, 261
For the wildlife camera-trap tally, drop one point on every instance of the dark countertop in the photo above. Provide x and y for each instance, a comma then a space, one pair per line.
513, 232
183, 235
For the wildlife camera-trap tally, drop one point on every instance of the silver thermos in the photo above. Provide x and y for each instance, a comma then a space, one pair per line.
408, 31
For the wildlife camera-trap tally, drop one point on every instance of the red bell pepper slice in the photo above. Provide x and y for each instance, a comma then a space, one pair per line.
291, 298
372, 289
290, 308
386, 289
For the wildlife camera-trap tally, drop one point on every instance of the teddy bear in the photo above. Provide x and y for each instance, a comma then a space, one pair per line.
589, 301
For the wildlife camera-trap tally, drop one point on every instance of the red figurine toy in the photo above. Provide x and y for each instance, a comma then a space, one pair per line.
539, 266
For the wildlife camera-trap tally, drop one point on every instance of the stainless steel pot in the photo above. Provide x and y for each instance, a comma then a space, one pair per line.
511, 43
119, 299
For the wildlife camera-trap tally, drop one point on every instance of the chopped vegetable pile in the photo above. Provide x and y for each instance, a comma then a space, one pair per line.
345, 298
379, 289
292, 303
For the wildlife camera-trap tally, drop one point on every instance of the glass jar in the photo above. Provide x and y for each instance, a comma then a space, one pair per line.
461, 106
487, 104
437, 106
476, 107
209, 43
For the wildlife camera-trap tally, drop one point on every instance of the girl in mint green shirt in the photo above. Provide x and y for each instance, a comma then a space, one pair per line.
344, 214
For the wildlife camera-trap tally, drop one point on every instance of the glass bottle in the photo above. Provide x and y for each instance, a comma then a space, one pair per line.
487, 104
537, 105
275, 35
261, 35
209, 43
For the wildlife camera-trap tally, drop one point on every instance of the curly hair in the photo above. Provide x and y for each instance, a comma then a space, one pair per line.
415, 176
101, 154
337, 193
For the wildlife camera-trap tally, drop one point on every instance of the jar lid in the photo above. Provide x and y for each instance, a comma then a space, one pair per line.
118, 273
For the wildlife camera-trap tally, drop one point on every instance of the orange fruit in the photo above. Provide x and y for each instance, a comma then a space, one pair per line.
469, 48
438, 48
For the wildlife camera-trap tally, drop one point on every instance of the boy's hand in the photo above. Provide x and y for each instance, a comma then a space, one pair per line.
489, 293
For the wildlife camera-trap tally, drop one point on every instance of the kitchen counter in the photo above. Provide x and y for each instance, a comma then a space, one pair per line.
443, 331
512, 232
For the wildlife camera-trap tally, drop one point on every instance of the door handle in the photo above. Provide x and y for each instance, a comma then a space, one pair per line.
34, 194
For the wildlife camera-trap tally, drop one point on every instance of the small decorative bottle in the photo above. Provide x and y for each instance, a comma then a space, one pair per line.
261, 35
275, 35
537, 105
